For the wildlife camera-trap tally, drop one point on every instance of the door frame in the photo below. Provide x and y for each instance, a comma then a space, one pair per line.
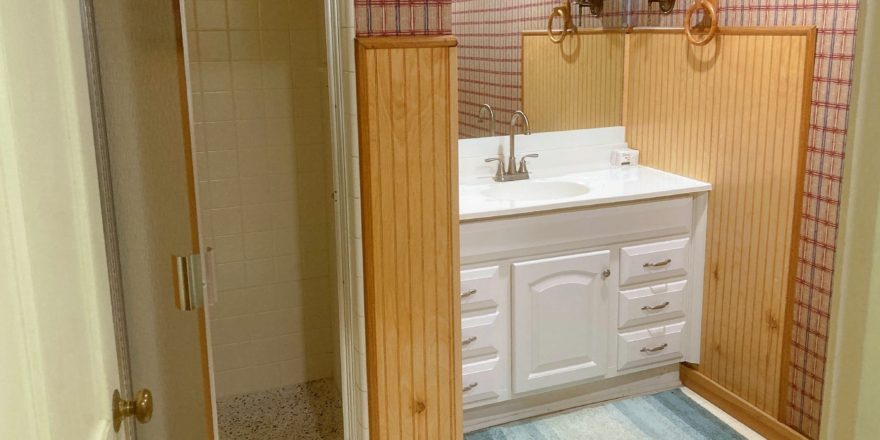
108, 210
353, 400
349, 293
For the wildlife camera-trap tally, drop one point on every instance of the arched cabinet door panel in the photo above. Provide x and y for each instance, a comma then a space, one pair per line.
560, 320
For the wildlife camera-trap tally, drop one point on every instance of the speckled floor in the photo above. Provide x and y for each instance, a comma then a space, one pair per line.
309, 411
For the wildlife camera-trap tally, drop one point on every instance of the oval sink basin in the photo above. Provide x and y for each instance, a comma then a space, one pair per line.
526, 190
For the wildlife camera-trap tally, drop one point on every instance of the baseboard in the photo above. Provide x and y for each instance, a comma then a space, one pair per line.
620, 387
737, 407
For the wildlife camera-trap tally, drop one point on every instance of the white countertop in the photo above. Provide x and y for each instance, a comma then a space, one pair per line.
605, 186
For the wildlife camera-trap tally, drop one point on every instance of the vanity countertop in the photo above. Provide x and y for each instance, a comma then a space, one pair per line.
603, 186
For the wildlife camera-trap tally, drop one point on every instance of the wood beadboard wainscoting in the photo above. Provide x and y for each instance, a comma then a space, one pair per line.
565, 86
408, 127
734, 113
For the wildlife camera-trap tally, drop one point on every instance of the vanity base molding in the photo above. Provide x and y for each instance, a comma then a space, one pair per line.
642, 383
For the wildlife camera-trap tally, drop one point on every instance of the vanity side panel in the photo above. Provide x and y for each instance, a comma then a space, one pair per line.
409, 181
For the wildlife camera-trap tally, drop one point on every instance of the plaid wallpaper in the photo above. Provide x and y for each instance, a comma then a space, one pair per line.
489, 72
836, 22
402, 17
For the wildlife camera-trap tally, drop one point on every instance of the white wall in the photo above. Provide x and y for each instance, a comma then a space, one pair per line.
260, 103
57, 352
852, 395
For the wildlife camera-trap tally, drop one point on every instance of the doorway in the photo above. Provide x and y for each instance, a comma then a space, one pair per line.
217, 129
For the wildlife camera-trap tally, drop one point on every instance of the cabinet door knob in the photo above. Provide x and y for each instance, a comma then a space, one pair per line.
655, 308
655, 349
470, 387
471, 292
606, 274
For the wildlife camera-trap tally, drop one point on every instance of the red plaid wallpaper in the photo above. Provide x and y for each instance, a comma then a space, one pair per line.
402, 17
836, 22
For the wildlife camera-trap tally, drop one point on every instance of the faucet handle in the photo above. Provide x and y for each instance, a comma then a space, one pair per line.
523, 169
499, 172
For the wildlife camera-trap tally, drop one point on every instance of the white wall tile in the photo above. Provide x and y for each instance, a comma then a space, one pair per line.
243, 14
213, 46
244, 45
215, 76
262, 135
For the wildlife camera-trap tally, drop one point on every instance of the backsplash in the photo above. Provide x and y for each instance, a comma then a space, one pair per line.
260, 105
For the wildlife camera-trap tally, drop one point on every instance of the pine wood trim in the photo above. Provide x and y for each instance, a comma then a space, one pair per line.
736, 406
408, 131
733, 30
405, 42
788, 321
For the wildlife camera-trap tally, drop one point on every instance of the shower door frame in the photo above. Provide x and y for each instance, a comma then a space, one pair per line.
349, 295
352, 366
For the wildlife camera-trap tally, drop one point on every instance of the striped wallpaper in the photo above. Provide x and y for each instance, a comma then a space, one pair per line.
490, 73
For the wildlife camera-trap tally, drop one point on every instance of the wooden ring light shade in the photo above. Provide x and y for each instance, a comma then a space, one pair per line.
711, 8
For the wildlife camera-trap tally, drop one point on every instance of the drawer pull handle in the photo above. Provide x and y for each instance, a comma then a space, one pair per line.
655, 308
469, 387
469, 340
471, 292
655, 349
663, 263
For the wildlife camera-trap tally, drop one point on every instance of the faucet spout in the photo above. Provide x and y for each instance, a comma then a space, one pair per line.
517, 116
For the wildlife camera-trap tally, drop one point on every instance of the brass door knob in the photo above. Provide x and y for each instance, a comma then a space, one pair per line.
141, 408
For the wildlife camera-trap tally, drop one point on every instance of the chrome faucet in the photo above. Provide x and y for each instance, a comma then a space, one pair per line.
512, 173
487, 109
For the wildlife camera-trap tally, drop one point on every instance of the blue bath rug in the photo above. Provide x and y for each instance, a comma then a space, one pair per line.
668, 415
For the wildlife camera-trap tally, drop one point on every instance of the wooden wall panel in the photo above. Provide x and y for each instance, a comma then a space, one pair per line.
407, 109
575, 84
734, 113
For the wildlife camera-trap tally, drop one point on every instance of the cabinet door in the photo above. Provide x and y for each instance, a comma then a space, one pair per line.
560, 320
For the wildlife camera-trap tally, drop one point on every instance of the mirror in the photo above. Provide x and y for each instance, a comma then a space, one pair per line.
507, 60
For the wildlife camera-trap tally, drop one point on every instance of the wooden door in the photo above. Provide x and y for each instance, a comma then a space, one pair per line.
560, 320
407, 115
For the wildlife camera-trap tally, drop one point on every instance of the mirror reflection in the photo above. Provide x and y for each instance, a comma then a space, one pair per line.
509, 61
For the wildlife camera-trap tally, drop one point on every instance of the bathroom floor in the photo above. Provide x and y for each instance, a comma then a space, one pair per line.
309, 411
678, 414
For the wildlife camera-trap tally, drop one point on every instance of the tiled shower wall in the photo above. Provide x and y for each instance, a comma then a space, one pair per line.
260, 103
836, 22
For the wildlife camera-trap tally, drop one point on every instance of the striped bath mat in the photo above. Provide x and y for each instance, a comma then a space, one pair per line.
668, 415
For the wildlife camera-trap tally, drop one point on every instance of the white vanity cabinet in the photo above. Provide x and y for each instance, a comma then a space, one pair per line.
557, 299
560, 319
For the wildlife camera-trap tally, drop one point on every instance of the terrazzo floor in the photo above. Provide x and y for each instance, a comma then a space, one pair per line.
309, 411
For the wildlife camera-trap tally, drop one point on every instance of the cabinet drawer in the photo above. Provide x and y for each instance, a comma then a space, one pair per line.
482, 284
653, 261
481, 331
649, 346
484, 381
661, 302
